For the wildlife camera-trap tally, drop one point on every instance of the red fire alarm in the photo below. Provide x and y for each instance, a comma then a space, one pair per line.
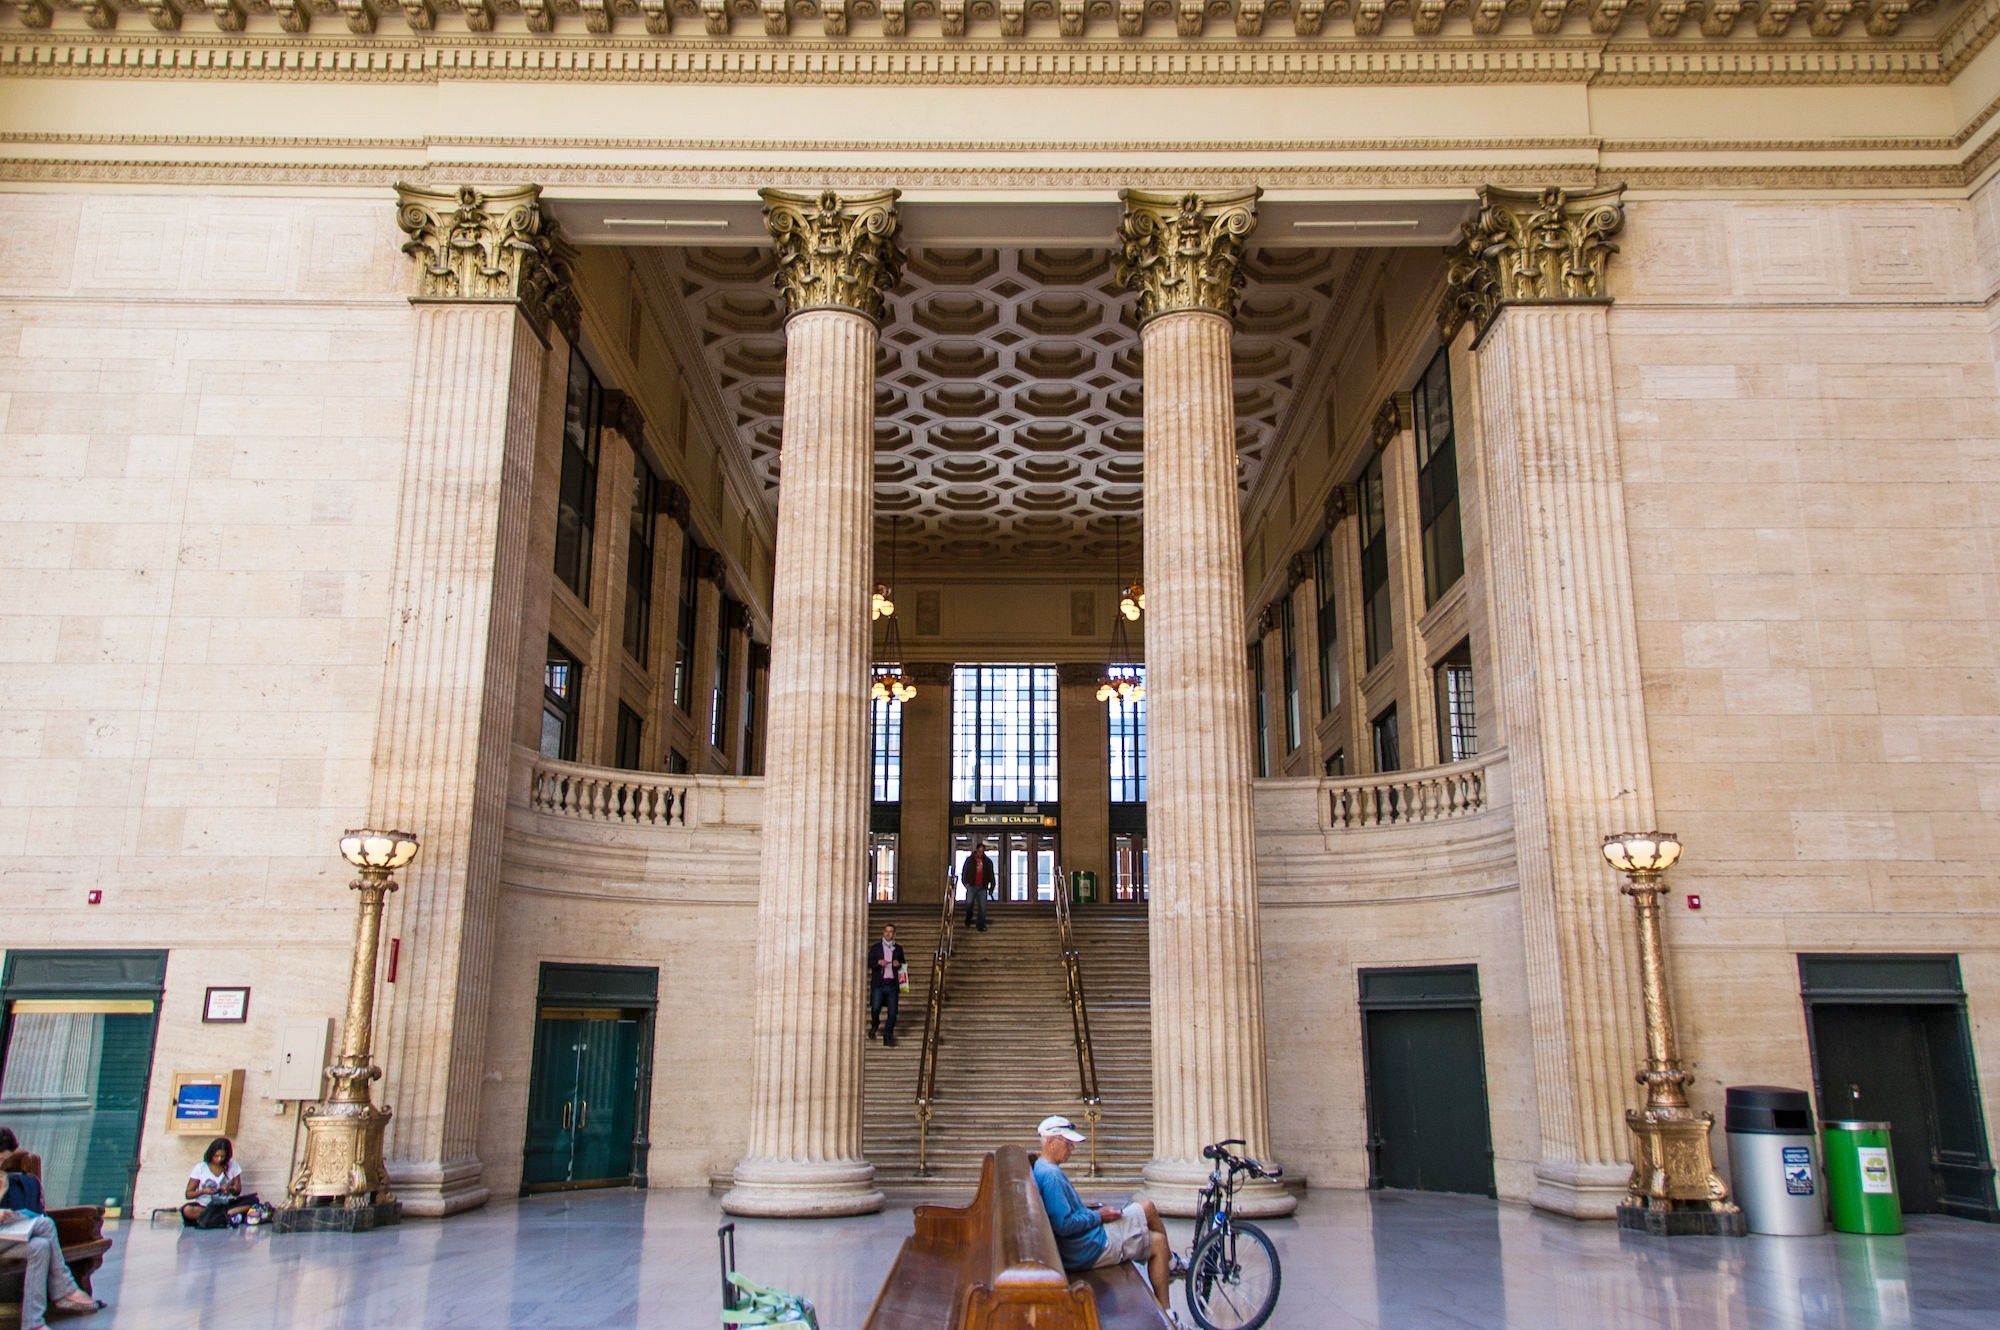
93, 897
1694, 902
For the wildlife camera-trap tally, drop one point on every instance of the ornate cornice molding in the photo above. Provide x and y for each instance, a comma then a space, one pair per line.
675, 503
835, 251
1067, 23
485, 246
1538, 247
1184, 252
268, 55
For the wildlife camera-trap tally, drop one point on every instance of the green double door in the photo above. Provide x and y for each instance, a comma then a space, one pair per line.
583, 1101
1426, 1074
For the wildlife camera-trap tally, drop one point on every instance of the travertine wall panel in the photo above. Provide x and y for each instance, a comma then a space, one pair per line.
1809, 457
202, 406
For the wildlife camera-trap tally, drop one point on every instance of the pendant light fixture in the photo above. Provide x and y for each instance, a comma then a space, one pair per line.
889, 683
1123, 677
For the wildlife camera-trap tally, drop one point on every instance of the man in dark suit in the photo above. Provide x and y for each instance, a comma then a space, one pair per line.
976, 876
885, 983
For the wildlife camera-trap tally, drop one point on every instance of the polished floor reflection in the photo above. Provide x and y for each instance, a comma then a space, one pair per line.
1352, 1261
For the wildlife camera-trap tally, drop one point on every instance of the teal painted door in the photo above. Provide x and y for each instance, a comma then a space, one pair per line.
1427, 1101
73, 1089
583, 1098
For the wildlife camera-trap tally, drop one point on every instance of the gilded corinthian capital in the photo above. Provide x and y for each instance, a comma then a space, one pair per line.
496, 246
1530, 247
1184, 251
835, 251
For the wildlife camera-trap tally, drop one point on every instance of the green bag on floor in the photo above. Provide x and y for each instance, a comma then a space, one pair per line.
767, 1306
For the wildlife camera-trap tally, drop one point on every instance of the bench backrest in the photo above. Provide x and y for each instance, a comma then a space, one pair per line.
1020, 1282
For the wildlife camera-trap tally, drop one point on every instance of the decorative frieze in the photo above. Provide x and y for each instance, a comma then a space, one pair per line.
489, 246
675, 503
1184, 251
835, 251
1530, 247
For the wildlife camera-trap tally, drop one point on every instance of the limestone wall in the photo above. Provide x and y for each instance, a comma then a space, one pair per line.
1808, 421
203, 405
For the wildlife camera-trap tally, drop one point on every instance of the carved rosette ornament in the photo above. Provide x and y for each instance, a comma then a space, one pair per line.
1530, 247
1184, 252
835, 251
489, 246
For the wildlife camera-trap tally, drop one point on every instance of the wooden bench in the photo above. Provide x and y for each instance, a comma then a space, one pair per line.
993, 1265
80, 1230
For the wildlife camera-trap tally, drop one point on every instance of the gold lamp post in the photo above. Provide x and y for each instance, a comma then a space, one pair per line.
1674, 1187
342, 1184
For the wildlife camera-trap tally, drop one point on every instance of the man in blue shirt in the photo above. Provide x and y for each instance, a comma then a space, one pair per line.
1091, 1236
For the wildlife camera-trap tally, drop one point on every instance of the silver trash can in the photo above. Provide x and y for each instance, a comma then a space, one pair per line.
1772, 1159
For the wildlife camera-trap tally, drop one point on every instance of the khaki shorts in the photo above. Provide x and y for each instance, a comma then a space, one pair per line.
1126, 1238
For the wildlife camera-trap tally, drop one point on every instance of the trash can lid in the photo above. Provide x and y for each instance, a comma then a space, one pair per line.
1850, 1125
1767, 1109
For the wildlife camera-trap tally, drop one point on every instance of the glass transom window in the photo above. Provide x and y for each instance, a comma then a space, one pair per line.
1003, 734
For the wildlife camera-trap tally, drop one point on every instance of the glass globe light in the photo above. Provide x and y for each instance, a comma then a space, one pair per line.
386, 850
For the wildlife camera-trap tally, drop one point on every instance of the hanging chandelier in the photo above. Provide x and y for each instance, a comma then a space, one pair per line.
1123, 679
888, 682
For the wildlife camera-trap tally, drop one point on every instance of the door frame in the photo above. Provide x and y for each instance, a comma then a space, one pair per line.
1901, 979
1421, 988
629, 987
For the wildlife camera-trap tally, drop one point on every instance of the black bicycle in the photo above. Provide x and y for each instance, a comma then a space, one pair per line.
1232, 1268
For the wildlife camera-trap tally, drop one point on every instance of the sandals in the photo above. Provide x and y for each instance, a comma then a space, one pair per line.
88, 1306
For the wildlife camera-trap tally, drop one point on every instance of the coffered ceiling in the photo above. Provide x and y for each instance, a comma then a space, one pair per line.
1008, 415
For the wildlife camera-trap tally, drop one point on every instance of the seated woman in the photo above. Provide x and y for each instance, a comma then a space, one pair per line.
215, 1196
46, 1284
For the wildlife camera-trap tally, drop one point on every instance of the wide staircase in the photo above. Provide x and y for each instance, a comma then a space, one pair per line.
1006, 1054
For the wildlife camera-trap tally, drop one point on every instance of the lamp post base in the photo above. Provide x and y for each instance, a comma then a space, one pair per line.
1675, 1189
343, 1165
336, 1218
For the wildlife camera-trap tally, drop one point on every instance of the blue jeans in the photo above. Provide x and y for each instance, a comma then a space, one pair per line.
975, 907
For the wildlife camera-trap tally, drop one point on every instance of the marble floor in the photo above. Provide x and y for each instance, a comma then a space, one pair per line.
1352, 1261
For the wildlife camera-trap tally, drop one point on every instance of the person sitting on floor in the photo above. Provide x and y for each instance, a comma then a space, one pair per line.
215, 1196
46, 1283
1092, 1236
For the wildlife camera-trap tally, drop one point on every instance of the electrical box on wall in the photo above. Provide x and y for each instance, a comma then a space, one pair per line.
305, 1046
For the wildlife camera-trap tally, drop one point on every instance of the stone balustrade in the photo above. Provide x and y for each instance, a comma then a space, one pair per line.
1434, 794
613, 797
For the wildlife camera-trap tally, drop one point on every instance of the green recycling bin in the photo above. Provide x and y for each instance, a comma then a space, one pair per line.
1861, 1177
1083, 888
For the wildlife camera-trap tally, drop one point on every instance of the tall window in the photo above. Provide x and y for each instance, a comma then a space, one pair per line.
882, 856
677, 762
576, 504
690, 600
639, 564
1327, 622
746, 732
1128, 748
562, 689
1458, 738
631, 739
1128, 866
1374, 528
1003, 734
1288, 644
1263, 733
718, 693
1388, 746
1437, 481
886, 734
1336, 765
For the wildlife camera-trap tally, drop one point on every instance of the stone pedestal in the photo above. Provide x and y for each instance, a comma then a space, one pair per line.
804, 1157
1207, 988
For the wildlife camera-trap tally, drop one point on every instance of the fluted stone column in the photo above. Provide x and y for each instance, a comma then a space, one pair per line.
1529, 278
492, 273
837, 256
1181, 253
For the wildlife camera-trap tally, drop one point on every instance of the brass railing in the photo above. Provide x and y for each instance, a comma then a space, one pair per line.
933, 1021
1079, 1017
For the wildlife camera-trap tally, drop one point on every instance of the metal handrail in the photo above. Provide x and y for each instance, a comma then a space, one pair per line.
1079, 1016
933, 1022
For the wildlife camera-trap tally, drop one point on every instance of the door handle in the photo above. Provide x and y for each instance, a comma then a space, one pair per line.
583, 1117
568, 1109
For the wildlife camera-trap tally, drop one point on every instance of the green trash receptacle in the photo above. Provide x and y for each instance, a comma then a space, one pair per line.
1083, 887
1861, 1177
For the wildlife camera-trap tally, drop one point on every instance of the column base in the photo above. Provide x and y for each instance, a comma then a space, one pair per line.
1174, 1187
796, 1189
1682, 1223
432, 1191
1580, 1191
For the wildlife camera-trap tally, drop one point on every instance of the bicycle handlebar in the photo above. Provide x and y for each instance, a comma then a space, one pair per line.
1221, 1153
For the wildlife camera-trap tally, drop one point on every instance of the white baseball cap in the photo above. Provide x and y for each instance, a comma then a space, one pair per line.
1058, 1125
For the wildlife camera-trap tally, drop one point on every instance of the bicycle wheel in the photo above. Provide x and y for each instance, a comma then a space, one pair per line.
1232, 1283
